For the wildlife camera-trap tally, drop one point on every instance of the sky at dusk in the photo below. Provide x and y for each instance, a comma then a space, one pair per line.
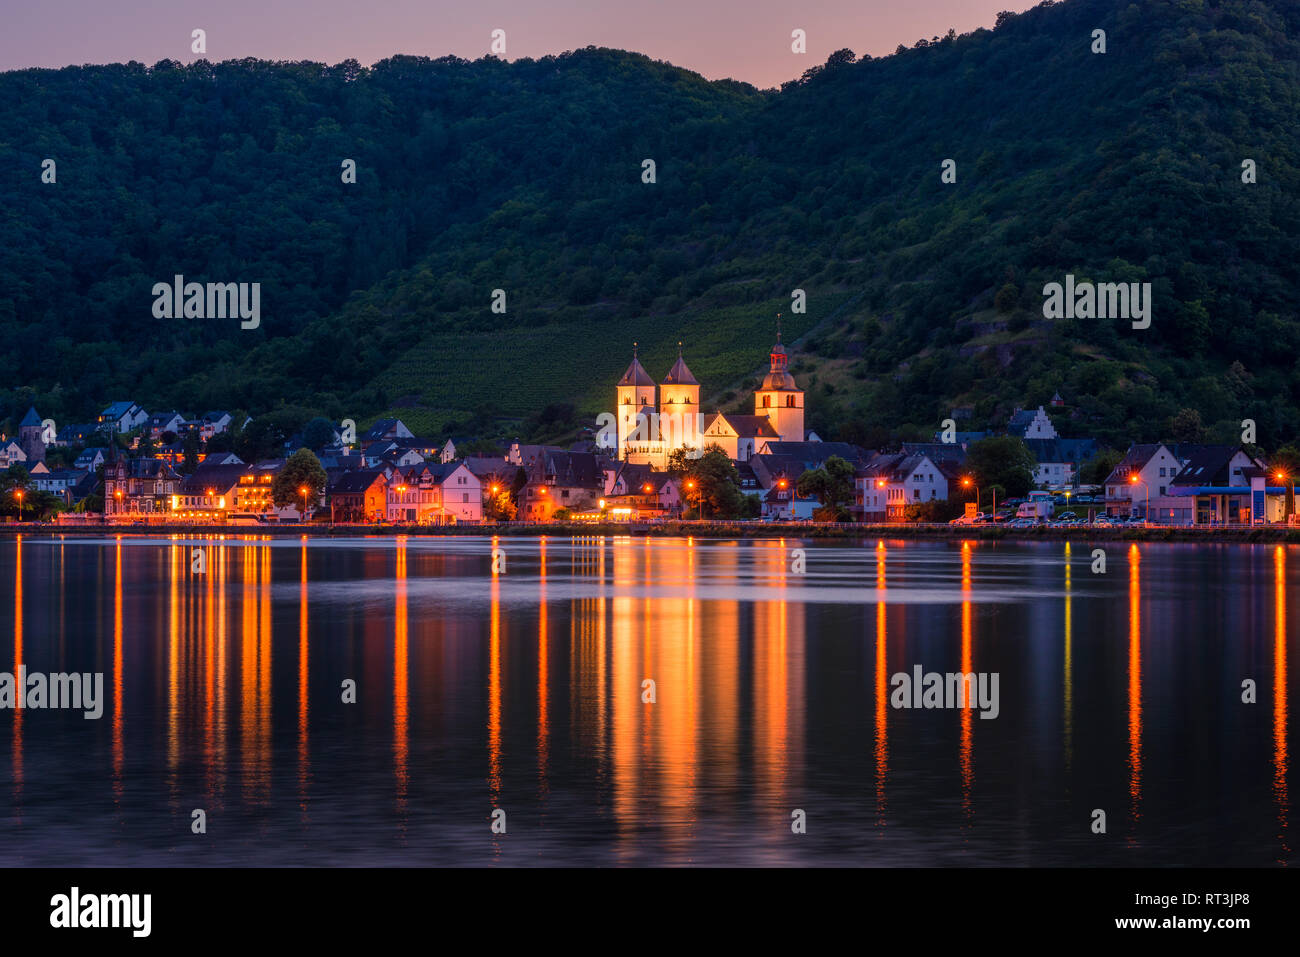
744, 39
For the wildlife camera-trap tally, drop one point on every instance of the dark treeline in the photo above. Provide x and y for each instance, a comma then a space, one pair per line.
526, 176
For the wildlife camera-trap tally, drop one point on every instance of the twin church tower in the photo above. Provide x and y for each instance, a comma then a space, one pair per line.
650, 427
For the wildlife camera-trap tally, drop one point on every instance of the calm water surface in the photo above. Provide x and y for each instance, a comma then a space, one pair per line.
523, 691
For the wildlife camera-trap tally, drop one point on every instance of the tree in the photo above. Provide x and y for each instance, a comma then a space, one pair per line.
318, 433
190, 448
712, 485
499, 506
302, 471
832, 486
1002, 460
1095, 470
1186, 426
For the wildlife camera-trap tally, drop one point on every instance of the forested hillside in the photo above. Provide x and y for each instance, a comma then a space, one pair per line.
923, 296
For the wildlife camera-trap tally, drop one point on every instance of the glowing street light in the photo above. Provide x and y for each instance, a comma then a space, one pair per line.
1134, 480
1282, 476
18, 493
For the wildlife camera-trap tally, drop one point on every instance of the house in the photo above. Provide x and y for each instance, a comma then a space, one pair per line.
526, 456
1029, 424
739, 435
91, 458
61, 482
892, 481
815, 454
161, 422
462, 492
78, 434
122, 417
211, 493
11, 453
358, 496
221, 458
387, 430
749, 483
782, 503
213, 423
386, 452
412, 497
1144, 474
638, 492
1213, 488
1059, 460
138, 488
448, 452
560, 480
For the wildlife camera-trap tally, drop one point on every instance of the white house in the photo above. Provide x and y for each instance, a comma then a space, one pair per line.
462, 492
11, 453
1143, 476
887, 484
123, 417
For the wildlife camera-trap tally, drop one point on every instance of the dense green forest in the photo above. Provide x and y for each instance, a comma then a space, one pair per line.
923, 296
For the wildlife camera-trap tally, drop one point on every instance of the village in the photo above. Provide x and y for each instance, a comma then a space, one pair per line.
662, 459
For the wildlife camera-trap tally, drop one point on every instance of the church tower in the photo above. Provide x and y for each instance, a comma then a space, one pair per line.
636, 397
679, 407
30, 438
779, 398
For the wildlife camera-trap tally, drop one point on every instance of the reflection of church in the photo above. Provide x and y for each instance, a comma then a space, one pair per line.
651, 426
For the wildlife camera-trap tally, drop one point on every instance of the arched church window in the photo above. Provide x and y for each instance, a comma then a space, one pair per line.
767, 401
789, 401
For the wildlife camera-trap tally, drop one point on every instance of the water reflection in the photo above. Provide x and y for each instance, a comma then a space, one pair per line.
1279, 704
668, 701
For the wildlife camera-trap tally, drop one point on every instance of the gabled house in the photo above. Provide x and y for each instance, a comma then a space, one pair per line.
161, 422
1031, 424
213, 423
210, 493
90, 459
461, 490
138, 488
11, 453
387, 430
60, 482
560, 480
1140, 479
122, 417
77, 434
892, 481
782, 503
1059, 460
358, 496
738, 435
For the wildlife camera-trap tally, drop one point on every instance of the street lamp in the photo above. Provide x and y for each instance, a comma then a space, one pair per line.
18, 493
1146, 512
304, 491
1289, 504
968, 482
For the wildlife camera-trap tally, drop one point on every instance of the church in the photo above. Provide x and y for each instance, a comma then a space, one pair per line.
654, 420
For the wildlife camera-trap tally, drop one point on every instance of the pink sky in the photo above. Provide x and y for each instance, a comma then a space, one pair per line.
744, 39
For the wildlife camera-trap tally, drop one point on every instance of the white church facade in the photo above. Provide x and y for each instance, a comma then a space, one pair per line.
655, 420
